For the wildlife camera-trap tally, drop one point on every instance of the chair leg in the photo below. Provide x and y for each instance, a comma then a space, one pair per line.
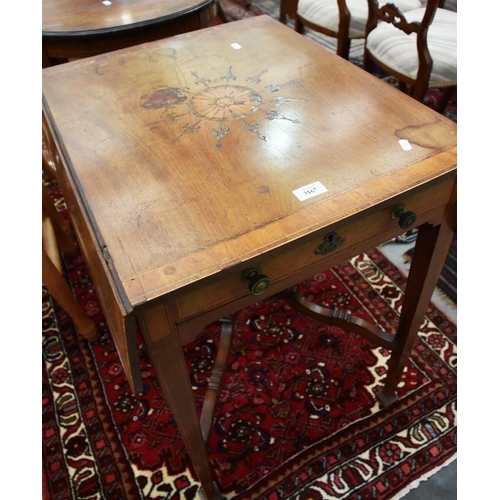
287, 8
403, 86
282, 16
299, 27
343, 47
220, 13
419, 91
445, 100
59, 289
368, 64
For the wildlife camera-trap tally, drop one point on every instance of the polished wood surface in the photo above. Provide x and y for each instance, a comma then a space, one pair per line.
74, 29
70, 16
179, 159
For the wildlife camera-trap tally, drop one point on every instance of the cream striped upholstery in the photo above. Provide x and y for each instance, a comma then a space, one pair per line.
450, 5
398, 50
326, 13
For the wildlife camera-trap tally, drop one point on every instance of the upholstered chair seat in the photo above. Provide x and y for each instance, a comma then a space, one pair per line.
450, 5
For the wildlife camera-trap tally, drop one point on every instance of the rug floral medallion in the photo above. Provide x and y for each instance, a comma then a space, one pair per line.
297, 416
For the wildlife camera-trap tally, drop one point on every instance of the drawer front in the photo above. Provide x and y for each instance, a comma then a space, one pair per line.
300, 260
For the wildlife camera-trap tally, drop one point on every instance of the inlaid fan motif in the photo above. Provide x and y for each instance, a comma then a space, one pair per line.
221, 101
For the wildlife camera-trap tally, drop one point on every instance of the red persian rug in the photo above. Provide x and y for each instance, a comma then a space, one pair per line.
297, 417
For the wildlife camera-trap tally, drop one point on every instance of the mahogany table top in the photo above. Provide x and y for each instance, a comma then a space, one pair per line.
187, 152
67, 17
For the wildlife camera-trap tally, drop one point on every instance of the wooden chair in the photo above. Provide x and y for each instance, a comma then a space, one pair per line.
56, 237
449, 4
418, 47
344, 20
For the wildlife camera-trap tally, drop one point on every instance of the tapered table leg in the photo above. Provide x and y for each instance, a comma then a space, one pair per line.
431, 249
165, 349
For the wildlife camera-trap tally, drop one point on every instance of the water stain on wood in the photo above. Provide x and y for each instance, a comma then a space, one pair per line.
162, 98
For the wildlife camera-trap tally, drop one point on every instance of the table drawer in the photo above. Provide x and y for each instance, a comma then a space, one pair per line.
300, 259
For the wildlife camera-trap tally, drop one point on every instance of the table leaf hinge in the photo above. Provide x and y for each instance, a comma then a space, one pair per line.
105, 254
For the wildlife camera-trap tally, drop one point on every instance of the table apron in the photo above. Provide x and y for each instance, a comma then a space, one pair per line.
226, 293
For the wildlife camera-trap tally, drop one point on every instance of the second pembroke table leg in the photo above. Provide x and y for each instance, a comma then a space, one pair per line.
166, 351
431, 249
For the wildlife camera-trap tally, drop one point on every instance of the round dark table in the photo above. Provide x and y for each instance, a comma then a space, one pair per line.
75, 28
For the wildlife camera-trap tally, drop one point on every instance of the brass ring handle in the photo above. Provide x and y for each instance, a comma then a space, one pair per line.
405, 219
258, 283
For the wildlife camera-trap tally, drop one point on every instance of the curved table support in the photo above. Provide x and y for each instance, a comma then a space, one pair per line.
337, 317
429, 256
431, 248
212, 394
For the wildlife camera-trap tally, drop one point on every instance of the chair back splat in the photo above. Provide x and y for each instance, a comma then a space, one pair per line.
343, 20
418, 47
